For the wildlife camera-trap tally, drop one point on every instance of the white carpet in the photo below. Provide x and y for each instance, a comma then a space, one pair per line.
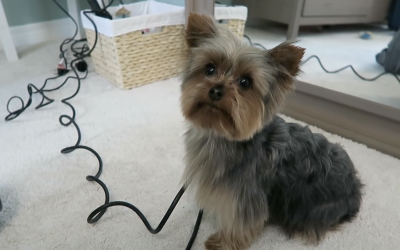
138, 133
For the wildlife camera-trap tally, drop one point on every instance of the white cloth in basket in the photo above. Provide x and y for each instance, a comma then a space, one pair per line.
152, 14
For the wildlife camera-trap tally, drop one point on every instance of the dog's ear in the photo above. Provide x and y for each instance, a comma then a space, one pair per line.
287, 56
199, 27
286, 59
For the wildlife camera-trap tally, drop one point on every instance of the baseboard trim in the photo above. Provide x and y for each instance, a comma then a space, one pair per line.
35, 33
360, 120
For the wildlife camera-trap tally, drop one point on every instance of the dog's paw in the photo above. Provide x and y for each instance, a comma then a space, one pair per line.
214, 242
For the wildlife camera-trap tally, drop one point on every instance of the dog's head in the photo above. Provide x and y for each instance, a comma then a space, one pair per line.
230, 87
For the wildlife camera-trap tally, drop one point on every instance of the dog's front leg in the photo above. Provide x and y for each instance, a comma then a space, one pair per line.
237, 237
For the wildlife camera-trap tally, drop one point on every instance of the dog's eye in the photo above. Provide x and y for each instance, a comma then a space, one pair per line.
244, 82
210, 70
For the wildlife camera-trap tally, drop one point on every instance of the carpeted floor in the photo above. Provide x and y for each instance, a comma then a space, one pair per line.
138, 133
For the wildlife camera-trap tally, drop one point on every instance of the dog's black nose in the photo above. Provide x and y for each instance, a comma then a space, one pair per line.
216, 93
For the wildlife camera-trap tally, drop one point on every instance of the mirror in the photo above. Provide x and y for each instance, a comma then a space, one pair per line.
338, 33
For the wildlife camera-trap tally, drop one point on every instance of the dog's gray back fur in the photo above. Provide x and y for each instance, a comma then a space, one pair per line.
279, 165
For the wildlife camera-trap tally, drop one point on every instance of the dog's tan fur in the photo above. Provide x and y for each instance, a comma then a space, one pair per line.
242, 112
237, 117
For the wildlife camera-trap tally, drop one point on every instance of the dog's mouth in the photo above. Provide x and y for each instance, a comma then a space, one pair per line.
211, 107
208, 115
208, 105
215, 110
206, 109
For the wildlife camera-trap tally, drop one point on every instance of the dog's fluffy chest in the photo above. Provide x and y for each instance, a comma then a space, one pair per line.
207, 158
224, 176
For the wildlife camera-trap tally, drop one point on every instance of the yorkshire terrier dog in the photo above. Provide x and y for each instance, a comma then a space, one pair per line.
245, 164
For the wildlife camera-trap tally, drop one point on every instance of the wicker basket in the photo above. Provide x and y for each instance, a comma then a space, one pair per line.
132, 59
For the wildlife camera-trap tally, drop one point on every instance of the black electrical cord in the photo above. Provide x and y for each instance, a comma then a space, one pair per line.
66, 120
352, 68
80, 50
334, 71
